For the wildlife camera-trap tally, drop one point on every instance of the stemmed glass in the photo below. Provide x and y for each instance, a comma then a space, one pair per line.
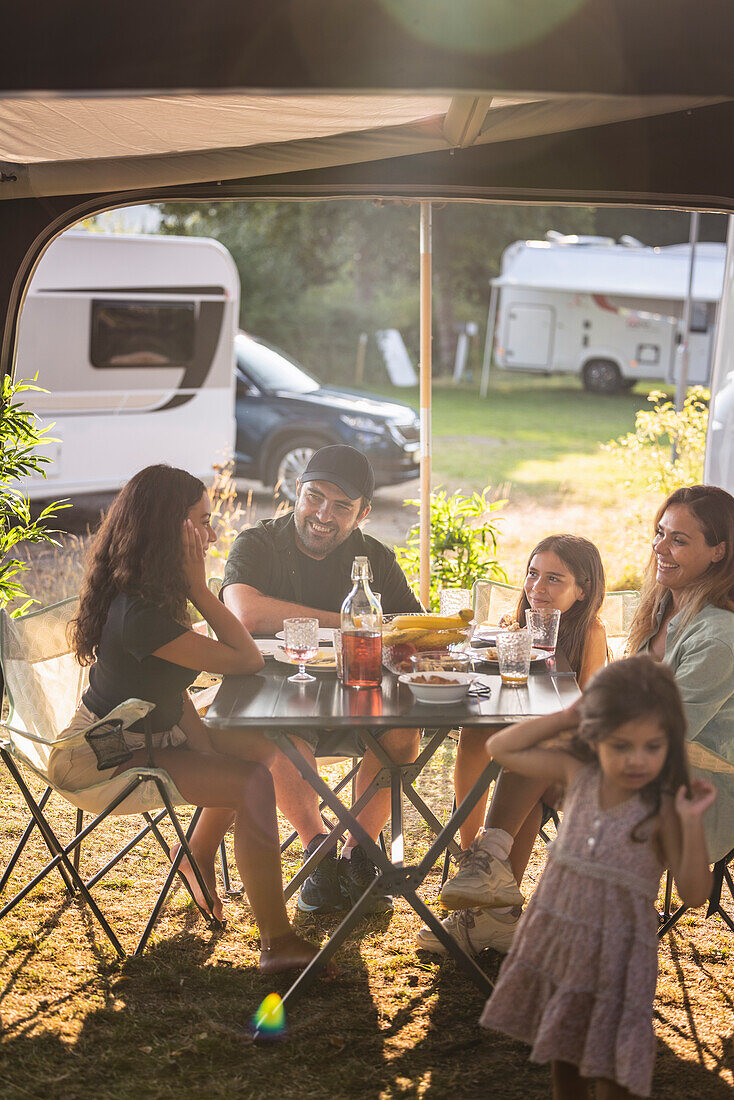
301, 644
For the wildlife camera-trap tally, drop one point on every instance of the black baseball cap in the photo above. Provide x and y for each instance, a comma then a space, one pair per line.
343, 466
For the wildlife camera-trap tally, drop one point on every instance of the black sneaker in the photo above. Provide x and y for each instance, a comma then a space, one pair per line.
356, 874
321, 892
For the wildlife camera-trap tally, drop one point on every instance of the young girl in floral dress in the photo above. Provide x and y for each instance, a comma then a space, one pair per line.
579, 982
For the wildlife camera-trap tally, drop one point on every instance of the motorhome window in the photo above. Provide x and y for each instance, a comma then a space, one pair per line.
142, 334
649, 354
271, 369
699, 317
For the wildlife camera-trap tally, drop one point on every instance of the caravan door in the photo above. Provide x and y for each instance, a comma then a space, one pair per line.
528, 336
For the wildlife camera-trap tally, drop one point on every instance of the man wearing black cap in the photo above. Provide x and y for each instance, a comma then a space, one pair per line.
300, 564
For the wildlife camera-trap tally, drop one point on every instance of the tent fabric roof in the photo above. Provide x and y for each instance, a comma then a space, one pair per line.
76, 144
615, 270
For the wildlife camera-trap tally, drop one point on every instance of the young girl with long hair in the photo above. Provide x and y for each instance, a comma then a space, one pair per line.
686, 618
563, 572
134, 630
579, 982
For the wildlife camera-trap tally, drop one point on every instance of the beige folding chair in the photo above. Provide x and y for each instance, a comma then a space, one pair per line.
492, 601
43, 684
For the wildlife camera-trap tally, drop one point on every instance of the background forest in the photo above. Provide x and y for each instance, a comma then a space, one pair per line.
317, 274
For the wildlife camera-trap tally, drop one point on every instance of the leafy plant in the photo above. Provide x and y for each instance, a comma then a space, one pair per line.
656, 430
463, 543
20, 436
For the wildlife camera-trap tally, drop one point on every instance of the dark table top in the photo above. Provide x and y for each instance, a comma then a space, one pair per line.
268, 699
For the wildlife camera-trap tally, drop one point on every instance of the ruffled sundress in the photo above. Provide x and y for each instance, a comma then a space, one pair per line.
578, 984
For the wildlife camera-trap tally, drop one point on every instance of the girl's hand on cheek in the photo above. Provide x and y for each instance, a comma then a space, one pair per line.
703, 795
193, 557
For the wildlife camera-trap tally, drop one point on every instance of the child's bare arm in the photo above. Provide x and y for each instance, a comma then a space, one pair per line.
684, 844
518, 747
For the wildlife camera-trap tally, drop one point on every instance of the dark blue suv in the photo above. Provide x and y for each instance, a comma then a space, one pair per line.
284, 415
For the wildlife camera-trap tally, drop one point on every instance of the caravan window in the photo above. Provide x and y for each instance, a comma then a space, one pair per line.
142, 334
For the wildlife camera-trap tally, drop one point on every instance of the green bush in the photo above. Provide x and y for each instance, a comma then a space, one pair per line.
20, 437
656, 430
463, 543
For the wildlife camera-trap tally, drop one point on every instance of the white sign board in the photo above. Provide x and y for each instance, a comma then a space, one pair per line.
394, 352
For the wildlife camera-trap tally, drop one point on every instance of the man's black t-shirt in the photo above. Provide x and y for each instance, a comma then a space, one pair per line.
125, 668
267, 558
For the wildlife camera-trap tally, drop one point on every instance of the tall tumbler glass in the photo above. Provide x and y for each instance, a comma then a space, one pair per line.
453, 600
543, 626
514, 648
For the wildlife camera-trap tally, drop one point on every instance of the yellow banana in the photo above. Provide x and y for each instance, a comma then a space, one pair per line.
429, 622
441, 637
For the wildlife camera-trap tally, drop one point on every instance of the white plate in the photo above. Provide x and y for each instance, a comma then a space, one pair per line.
439, 693
483, 655
325, 635
319, 664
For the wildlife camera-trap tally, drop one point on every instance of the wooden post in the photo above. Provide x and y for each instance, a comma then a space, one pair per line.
425, 404
361, 349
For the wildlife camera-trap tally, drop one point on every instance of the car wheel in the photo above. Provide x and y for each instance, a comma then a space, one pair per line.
602, 376
288, 462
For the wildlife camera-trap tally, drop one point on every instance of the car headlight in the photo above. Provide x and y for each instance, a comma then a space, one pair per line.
363, 424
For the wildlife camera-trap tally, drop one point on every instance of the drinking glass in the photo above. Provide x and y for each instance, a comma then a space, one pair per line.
514, 648
543, 626
301, 644
453, 600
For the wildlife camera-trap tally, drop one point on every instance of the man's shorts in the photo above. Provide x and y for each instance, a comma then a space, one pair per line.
347, 742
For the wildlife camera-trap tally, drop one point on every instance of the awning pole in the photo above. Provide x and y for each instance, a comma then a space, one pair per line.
425, 401
684, 348
488, 342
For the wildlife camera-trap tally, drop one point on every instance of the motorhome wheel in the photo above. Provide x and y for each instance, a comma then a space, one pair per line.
602, 376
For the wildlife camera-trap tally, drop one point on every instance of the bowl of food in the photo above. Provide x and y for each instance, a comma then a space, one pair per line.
404, 636
438, 687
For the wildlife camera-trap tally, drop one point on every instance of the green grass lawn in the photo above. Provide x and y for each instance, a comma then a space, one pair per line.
537, 441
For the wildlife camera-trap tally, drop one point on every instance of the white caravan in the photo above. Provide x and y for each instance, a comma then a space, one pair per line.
133, 337
607, 312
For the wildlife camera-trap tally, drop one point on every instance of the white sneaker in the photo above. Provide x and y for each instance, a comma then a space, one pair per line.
473, 929
482, 882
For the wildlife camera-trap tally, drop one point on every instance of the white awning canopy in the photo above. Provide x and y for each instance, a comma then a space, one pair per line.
660, 273
67, 143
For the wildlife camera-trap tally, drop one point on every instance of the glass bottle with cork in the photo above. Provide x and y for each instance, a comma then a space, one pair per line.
361, 631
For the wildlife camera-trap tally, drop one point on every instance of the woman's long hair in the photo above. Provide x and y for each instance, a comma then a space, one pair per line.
621, 692
581, 557
137, 550
713, 510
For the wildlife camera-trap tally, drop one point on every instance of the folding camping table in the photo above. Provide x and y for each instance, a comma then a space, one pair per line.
267, 701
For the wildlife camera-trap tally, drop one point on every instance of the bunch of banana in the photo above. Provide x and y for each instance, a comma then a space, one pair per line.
428, 630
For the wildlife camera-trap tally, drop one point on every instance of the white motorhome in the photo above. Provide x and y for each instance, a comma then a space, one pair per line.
607, 312
133, 338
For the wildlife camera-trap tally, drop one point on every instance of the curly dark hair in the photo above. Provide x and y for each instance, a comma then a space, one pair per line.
623, 691
137, 550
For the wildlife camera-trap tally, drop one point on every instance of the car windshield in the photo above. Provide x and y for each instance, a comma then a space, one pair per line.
270, 369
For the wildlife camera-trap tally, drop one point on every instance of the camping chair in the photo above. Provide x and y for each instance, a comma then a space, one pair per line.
722, 876
44, 683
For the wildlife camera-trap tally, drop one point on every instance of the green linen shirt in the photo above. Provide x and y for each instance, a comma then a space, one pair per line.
701, 655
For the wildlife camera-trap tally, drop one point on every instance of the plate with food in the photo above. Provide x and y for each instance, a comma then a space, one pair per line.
324, 661
325, 635
489, 654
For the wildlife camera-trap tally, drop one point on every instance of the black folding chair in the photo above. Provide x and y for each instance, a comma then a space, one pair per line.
722, 877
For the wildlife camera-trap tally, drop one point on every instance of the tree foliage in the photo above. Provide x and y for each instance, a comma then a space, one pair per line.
20, 437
